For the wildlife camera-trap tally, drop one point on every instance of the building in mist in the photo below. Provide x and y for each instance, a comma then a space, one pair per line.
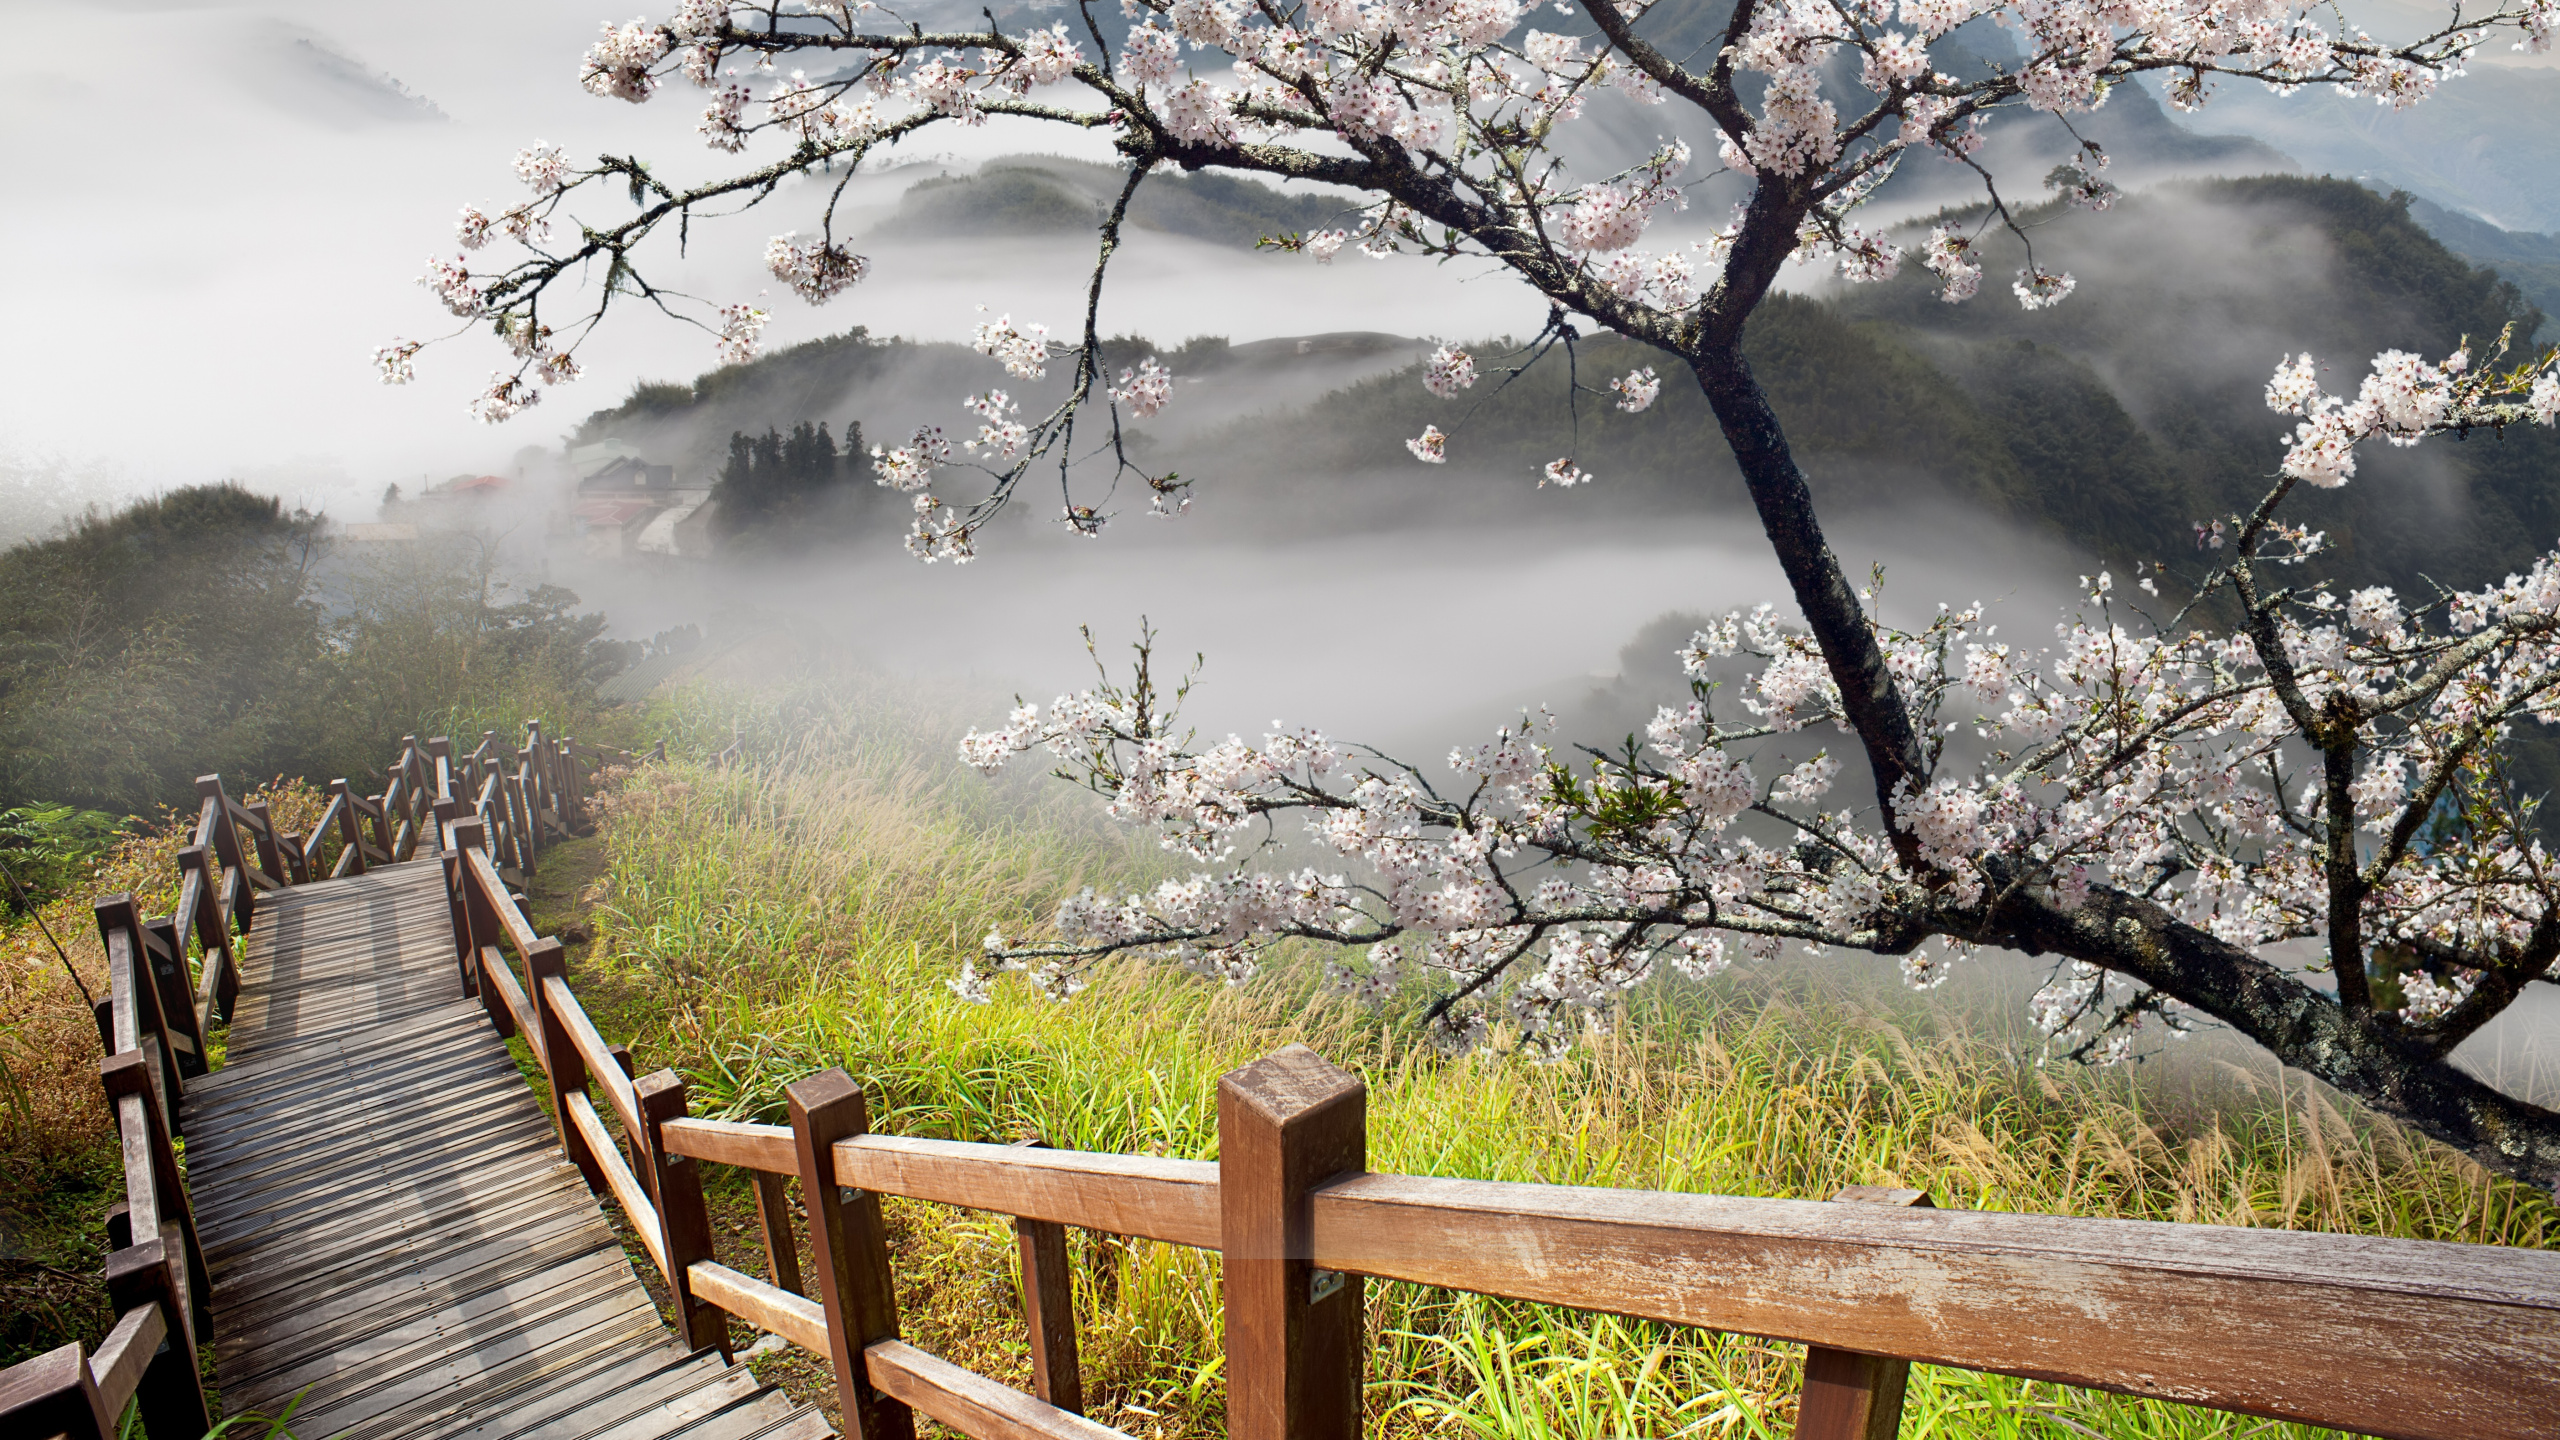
621, 505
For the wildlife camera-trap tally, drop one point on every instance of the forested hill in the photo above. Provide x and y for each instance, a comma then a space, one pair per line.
2115, 420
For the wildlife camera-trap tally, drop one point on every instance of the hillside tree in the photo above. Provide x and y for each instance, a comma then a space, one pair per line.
2202, 771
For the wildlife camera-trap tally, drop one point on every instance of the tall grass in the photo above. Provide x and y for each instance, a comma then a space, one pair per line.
804, 909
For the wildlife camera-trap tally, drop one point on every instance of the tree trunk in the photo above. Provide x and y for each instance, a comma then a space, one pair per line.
2362, 1054
1830, 604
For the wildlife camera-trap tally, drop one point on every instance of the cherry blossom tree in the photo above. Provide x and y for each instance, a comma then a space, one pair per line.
2175, 789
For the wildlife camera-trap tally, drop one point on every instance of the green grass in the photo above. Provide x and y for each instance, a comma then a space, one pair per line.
804, 910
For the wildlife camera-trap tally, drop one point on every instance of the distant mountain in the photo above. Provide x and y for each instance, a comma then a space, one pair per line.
1035, 194
2114, 421
2487, 143
2531, 261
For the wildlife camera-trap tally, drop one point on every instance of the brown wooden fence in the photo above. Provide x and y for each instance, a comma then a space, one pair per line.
163, 1003
2388, 1337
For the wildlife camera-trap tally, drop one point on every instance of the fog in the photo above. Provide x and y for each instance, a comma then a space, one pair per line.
220, 207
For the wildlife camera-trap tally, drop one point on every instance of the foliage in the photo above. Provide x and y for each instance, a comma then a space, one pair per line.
48, 850
802, 911
182, 625
791, 489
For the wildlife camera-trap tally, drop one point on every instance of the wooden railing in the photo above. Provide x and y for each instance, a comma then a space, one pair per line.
164, 1005
2389, 1337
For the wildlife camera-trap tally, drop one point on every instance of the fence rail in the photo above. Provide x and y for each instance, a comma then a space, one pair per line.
2388, 1337
164, 1007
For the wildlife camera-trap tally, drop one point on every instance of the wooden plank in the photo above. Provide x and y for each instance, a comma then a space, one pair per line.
797, 1319
2396, 1337
356, 1176
318, 1163
560, 1408
564, 1246
730, 1390
275, 1202
509, 1377
1142, 1195
307, 1251
326, 1255
971, 1403
353, 1383
592, 1287
126, 1352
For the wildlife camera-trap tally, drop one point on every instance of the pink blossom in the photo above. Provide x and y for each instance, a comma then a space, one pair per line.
1450, 371
1637, 389
1023, 349
618, 65
1145, 390
1430, 447
816, 271
739, 326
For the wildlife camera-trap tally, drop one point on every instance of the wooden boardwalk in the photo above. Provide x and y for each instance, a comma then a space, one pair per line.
388, 1221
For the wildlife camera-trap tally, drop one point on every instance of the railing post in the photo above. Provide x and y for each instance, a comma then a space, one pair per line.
519, 821
128, 1074
297, 860
1847, 1395
573, 787
773, 1217
675, 1182
166, 950
213, 927
438, 790
270, 857
116, 916
171, 1395
545, 961
226, 847
350, 824
852, 1252
1049, 1309
477, 926
542, 769
1288, 1123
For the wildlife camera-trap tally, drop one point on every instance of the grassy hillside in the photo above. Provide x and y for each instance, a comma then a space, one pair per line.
805, 910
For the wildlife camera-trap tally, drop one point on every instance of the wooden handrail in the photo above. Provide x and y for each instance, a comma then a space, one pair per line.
126, 1352
484, 872
2280, 1323
969, 1402
626, 1187
495, 971
795, 1318
601, 1066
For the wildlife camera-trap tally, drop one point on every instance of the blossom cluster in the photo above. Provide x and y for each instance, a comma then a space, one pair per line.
2160, 764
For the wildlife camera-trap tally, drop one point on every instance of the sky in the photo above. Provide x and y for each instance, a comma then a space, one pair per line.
211, 269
